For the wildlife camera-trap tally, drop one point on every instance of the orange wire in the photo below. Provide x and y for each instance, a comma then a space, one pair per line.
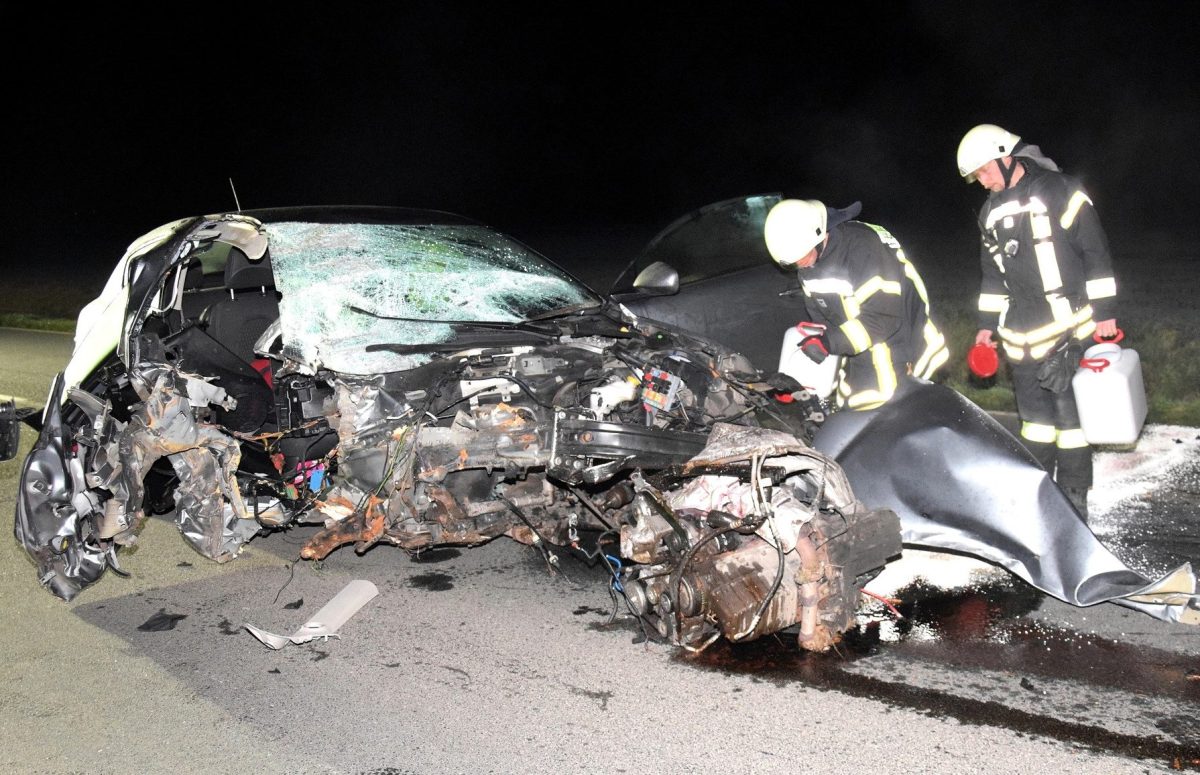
889, 602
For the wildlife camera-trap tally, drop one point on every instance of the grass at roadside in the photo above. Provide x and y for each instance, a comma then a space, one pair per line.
1170, 367
42, 304
48, 297
35, 322
1156, 308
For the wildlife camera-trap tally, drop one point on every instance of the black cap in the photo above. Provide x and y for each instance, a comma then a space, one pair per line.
834, 216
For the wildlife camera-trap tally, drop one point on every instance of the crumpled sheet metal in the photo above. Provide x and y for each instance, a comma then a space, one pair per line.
730, 443
960, 482
326, 622
45, 515
204, 458
783, 456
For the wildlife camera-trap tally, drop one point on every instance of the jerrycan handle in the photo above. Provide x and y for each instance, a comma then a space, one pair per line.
1120, 335
1095, 364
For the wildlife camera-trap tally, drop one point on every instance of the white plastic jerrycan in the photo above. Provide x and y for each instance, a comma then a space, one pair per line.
1109, 393
819, 378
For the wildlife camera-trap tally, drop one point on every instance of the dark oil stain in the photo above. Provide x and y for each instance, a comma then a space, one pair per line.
979, 629
276, 671
436, 555
587, 609
1178, 726
601, 697
432, 582
319, 655
161, 621
228, 628
292, 606
982, 629
619, 624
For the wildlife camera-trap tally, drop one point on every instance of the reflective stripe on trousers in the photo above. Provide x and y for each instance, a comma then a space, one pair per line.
1050, 428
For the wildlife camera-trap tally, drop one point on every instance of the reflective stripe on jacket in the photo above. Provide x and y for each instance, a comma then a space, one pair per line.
1047, 271
876, 308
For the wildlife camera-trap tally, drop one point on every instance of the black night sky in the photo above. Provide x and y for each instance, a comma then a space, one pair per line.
561, 125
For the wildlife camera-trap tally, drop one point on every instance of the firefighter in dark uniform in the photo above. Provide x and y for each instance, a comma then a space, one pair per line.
862, 289
1047, 286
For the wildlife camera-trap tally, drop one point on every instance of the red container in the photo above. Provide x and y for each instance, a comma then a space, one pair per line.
982, 360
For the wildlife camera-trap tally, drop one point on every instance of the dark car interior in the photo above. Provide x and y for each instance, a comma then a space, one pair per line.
228, 302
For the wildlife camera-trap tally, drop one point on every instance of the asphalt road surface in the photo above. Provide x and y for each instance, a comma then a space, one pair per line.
479, 660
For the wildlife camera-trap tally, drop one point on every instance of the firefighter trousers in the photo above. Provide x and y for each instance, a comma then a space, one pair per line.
869, 379
1050, 428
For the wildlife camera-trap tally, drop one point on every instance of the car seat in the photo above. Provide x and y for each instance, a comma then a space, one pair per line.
249, 306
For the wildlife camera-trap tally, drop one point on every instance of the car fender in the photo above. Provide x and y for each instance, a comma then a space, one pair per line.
49, 505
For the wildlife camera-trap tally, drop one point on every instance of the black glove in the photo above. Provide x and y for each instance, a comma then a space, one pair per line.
815, 347
1059, 367
783, 383
745, 377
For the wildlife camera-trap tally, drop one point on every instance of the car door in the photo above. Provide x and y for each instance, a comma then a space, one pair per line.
730, 290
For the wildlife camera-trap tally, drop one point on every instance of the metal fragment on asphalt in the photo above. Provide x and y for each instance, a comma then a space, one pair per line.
326, 622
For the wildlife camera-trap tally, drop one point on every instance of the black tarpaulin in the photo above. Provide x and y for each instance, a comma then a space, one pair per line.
961, 482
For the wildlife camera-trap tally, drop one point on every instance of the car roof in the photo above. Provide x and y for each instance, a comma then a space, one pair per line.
358, 214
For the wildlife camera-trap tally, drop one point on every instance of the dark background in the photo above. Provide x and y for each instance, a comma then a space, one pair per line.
584, 136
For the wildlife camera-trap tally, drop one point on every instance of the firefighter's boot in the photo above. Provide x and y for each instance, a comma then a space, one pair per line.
1078, 498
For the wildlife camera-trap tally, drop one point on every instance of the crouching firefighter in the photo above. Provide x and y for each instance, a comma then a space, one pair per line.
867, 299
1047, 280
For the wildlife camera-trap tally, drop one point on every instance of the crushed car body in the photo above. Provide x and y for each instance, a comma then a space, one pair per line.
417, 379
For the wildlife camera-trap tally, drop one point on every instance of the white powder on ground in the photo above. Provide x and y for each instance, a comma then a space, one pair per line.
1124, 476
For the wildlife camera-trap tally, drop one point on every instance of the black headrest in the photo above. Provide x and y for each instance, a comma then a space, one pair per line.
242, 273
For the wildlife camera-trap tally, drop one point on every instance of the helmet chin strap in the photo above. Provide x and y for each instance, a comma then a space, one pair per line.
820, 246
1007, 170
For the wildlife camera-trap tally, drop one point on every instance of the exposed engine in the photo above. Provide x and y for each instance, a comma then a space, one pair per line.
546, 445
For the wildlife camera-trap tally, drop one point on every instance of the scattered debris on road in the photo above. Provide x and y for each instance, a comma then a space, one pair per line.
326, 622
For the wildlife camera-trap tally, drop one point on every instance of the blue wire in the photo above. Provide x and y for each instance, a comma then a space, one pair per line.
616, 579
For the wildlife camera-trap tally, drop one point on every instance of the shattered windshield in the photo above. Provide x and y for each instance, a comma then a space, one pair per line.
346, 286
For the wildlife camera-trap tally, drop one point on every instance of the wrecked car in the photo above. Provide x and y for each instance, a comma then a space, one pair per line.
418, 379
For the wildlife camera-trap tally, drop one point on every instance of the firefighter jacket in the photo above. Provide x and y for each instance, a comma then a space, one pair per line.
876, 311
1047, 272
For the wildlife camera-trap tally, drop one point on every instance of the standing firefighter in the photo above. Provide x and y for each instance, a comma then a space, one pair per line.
861, 288
1047, 286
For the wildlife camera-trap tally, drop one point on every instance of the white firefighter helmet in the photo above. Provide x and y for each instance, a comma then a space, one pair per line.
793, 228
982, 144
